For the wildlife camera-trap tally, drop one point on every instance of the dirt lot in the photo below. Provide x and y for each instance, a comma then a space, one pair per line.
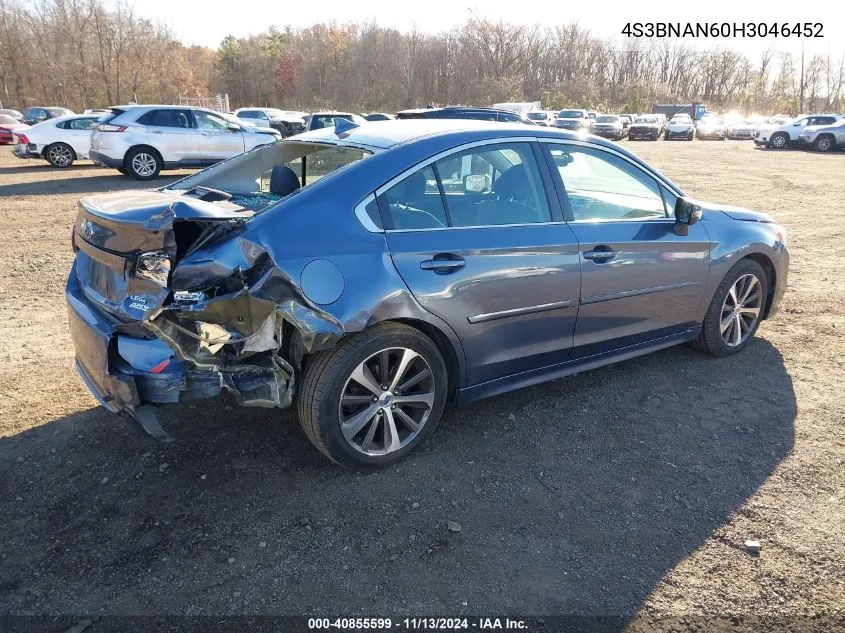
629, 490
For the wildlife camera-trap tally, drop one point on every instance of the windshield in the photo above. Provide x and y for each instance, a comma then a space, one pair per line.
538, 116
680, 118
710, 120
571, 114
607, 119
645, 119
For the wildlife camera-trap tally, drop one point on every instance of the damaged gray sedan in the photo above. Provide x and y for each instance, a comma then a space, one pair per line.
369, 273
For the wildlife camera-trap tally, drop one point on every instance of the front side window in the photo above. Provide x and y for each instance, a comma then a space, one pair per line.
492, 185
210, 123
602, 186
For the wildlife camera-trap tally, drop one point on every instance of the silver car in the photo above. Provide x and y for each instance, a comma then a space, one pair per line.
825, 138
140, 141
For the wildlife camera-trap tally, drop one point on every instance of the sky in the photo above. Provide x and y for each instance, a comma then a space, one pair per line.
206, 23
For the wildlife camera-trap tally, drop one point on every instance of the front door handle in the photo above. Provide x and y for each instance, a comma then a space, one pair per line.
600, 254
443, 263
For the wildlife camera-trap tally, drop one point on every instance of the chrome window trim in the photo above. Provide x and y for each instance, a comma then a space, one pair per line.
364, 217
361, 213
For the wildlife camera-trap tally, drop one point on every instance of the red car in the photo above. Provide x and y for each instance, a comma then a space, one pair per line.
7, 125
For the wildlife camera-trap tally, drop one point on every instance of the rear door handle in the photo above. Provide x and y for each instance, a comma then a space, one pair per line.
600, 254
443, 263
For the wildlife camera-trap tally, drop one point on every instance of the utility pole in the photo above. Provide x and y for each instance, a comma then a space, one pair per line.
801, 97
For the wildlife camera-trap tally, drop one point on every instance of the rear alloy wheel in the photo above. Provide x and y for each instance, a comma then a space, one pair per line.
60, 155
375, 398
824, 143
143, 163
735, 311
779, 141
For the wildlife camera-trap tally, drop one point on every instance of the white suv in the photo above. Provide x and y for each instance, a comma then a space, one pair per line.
142, 140
782, 136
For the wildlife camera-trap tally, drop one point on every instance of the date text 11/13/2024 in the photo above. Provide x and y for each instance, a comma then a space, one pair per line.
429, 624
724, 29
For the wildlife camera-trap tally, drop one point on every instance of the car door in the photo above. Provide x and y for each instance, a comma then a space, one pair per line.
796, 128
78, 134
481, 244
173, 133
639, 279
217, 140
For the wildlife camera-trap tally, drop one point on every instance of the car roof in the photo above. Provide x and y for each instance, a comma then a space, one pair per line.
71, 117
386, 134
158, 106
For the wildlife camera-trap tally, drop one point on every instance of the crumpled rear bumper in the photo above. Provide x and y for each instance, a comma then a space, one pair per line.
116, 367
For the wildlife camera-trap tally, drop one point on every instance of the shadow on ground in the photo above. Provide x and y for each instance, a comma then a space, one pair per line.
575, 497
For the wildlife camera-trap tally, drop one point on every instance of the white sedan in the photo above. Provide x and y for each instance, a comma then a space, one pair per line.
59, 141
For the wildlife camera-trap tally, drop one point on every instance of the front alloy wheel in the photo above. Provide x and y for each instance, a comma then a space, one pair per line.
735, 311
779, 141
741, 310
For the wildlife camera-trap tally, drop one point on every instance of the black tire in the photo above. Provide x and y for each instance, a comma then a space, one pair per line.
143, 163
824, 143
60, 155
326, 375
710, 338
779, 140
691, 136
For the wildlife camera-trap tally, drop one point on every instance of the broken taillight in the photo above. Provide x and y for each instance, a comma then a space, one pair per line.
155, 267
108, 127
160, 367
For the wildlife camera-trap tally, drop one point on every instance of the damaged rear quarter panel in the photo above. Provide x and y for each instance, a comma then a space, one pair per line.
262, 263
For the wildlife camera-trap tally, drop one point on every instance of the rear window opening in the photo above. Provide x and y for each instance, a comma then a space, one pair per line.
256, 180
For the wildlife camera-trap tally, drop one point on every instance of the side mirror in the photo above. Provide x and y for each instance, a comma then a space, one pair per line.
687, 212
476, 183
233, 127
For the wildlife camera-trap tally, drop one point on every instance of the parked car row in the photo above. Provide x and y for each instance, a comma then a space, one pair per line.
140, 141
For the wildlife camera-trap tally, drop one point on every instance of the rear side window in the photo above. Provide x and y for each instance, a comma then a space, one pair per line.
166, 118
80, 124
415, 202
492, 185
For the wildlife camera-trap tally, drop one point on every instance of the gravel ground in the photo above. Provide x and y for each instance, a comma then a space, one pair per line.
627, 491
